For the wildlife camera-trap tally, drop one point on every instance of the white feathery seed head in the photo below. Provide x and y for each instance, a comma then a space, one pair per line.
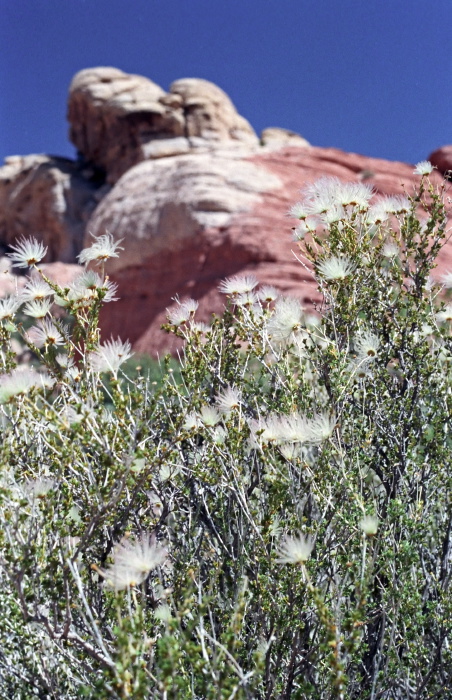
8, 307
445, 314
246, 299
229, 399
45, 334
287, 319
397, 204
103, 248
209, 416
294, 428
305, 227
36, 289
182, 313
366, 346
86, 286
390, 250
27, 253
447, 280
299, 211
424, 167
38, 488
336, 268
265, 430
369, 525
38, 308
267, 293
355, 194
191, 421
320, 427
238, 284
20, 381
110, 356
295, 550
330, 192
377, 213
133, 562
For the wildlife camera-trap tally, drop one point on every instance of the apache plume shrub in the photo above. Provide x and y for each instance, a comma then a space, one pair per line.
274, 524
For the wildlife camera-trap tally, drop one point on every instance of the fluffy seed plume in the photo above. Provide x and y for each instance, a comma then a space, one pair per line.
182, 313
369, 525
366, 345
286, 320
336, 268
133, 562
8, 308
110, 356
27, 252
38, 308
36, 289
423, 168
20, 382
228, 400
45, 334
239, 284
295, 550
103, 248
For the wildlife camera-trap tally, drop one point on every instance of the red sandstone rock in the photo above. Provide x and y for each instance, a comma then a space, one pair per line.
195, 197
188, 222
48, 198
442, 159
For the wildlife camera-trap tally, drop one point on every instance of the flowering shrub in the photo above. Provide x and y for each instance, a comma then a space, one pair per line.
274, 524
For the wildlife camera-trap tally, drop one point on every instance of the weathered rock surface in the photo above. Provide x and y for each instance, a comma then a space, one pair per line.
209, 113
442, 159
184, 180
118, 120
190, 221
277, 137
48, 198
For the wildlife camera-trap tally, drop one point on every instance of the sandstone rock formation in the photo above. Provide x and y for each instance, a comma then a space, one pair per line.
46, 197
190, 221
118, 120
442, 159
185, 181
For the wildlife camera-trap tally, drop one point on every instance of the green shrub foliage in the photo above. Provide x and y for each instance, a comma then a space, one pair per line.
272, 522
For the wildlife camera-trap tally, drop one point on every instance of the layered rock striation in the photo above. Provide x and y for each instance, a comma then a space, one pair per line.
188, 185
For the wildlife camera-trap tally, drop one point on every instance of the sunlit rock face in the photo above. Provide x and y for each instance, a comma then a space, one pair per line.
117, 120
183, 179
46, 197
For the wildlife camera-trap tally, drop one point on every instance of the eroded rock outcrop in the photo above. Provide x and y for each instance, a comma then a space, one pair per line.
183, 179
442, 159
46, 197
117, 120
190, 221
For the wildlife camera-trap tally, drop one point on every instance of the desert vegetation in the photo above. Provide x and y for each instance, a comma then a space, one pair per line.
271, 521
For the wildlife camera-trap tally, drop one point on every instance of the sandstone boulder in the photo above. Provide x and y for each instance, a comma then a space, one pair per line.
45, 197
182, 178
189, 221
117, 120
112, 115
209, 113
277, 137
442, 159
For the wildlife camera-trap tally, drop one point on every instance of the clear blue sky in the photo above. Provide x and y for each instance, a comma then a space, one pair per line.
368, 76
